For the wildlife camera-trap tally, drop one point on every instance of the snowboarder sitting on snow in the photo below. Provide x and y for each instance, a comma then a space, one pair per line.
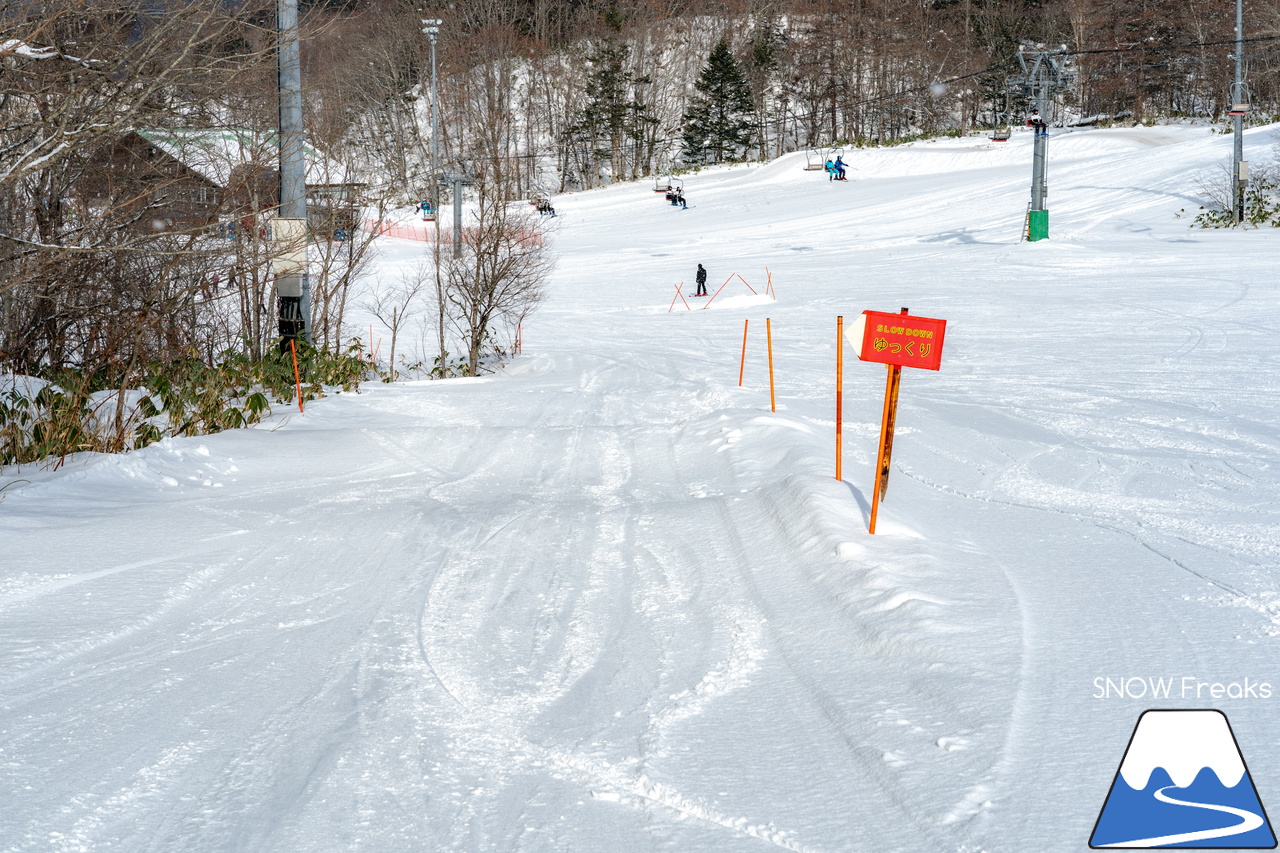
702, 281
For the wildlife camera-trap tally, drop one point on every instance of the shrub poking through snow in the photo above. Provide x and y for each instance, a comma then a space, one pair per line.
71, 411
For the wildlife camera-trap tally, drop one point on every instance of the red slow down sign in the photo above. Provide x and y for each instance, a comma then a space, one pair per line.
898, 341
901, 339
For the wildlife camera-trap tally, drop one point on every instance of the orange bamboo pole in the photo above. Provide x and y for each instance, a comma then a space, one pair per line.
297, 378
768, 331
742, 366
839, 393
717, 293
747, 283
519, 341
769, 288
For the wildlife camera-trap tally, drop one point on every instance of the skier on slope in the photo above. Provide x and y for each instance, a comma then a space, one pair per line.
702, 281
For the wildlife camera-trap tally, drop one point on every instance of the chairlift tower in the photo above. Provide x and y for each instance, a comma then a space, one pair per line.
459, 178
292, 283
1044, 74
1239, 106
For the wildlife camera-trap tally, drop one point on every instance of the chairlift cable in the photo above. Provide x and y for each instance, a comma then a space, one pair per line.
926, 87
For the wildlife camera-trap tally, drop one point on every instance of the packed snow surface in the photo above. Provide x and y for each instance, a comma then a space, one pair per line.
606, 600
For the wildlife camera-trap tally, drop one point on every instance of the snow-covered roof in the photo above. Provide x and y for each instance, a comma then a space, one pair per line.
214, 153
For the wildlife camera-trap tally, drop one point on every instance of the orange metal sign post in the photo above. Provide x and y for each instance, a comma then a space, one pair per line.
887, 419
896, 341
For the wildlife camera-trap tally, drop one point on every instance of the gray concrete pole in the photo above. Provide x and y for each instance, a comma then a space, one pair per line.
1039, 157
294, 291
1237, 97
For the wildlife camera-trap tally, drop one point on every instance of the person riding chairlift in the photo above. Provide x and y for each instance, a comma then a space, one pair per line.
1034, 120
840, 168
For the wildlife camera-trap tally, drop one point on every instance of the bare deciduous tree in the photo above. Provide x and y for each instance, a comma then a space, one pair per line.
394, 302
501, 272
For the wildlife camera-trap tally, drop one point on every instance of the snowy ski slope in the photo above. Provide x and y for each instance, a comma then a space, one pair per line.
607, 601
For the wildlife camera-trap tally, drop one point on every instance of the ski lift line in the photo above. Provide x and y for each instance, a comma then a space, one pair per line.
924, 88
1162, 47
780, 121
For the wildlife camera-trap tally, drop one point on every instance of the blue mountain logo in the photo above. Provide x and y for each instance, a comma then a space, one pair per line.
1183, 783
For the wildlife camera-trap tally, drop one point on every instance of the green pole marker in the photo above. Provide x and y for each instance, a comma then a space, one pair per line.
1038, 225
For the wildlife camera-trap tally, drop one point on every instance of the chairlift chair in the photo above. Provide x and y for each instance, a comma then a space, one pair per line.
1238, 109
661, 184
1001, 134
674, 188
815, 159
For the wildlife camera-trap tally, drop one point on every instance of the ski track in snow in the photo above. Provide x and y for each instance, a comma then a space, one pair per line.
607, 600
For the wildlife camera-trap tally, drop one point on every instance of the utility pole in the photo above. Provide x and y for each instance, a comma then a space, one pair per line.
1239, 106
431, 28
1043, 74
293, 286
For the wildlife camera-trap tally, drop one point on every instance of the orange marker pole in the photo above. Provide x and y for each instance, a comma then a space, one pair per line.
839, 392
679, 295
743, 365
717, 293
748, 284
519, 340
297, 378
769, 287
768, 332
680, 292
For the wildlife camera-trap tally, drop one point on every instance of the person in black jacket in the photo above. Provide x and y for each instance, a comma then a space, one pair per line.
702, 281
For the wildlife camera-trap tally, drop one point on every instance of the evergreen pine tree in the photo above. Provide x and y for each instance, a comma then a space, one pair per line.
718, 120
612, 116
